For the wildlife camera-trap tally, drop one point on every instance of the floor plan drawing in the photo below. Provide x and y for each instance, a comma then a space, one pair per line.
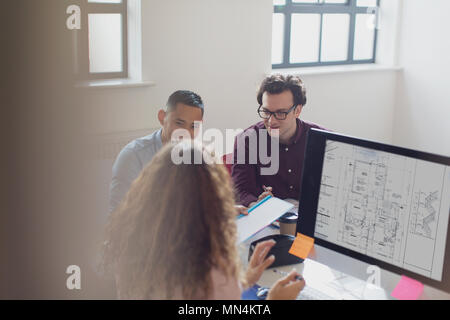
423, 214
380, 204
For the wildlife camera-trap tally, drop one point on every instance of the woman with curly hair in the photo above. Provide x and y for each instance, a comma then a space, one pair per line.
174, 235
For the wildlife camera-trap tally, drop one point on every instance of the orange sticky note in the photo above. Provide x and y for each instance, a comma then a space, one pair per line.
302, 246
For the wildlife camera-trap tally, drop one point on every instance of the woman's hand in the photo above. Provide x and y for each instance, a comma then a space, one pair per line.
287, 288
258, 262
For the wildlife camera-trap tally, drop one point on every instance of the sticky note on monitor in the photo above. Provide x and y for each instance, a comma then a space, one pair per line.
407, 289
302, 245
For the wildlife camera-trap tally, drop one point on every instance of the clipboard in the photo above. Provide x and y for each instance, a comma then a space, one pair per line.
261, 215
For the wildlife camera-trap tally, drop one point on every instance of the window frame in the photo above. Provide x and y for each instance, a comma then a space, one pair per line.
322, 8
83, 41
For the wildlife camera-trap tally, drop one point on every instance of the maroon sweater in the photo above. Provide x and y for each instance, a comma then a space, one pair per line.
285, 184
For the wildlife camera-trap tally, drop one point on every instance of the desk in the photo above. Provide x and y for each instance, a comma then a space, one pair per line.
338, 264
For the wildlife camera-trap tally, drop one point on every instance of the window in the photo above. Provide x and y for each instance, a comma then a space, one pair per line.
102, 44
309, 33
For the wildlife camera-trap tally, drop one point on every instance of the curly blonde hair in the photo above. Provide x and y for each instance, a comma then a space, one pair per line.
175, 225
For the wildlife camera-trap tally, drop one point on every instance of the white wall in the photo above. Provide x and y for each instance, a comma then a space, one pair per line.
422, 111
219, 49
355, 103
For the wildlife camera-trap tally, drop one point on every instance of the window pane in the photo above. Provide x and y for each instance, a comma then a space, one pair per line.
105, 43
364, 37
366, 3
277, 38
335, 30
305, 1
279, 2
105, 1
305, 34
336, 1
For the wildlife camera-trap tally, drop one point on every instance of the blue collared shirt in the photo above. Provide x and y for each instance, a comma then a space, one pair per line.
129, 164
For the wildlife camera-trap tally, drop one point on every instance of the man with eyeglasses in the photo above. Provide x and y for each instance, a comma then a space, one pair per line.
281, 100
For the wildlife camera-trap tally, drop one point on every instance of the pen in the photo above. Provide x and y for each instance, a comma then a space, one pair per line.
285, 274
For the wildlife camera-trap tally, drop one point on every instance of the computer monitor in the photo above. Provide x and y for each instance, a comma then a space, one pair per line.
382, 204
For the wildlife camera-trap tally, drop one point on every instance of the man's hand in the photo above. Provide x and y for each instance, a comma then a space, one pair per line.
241, 210
267, 192
287, 288
258, 262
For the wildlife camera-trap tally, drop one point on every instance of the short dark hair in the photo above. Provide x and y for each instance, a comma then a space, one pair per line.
185, 97
279, 83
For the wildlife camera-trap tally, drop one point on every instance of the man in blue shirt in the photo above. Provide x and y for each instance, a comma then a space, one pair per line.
183, 110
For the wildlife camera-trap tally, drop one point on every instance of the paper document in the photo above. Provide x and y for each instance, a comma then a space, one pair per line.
260, 216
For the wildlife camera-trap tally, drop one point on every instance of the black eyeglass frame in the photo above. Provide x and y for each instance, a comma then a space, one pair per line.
274, 113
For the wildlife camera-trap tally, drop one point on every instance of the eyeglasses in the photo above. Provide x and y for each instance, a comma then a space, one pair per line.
279, 115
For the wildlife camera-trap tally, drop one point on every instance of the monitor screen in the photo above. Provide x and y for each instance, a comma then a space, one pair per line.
382, 204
